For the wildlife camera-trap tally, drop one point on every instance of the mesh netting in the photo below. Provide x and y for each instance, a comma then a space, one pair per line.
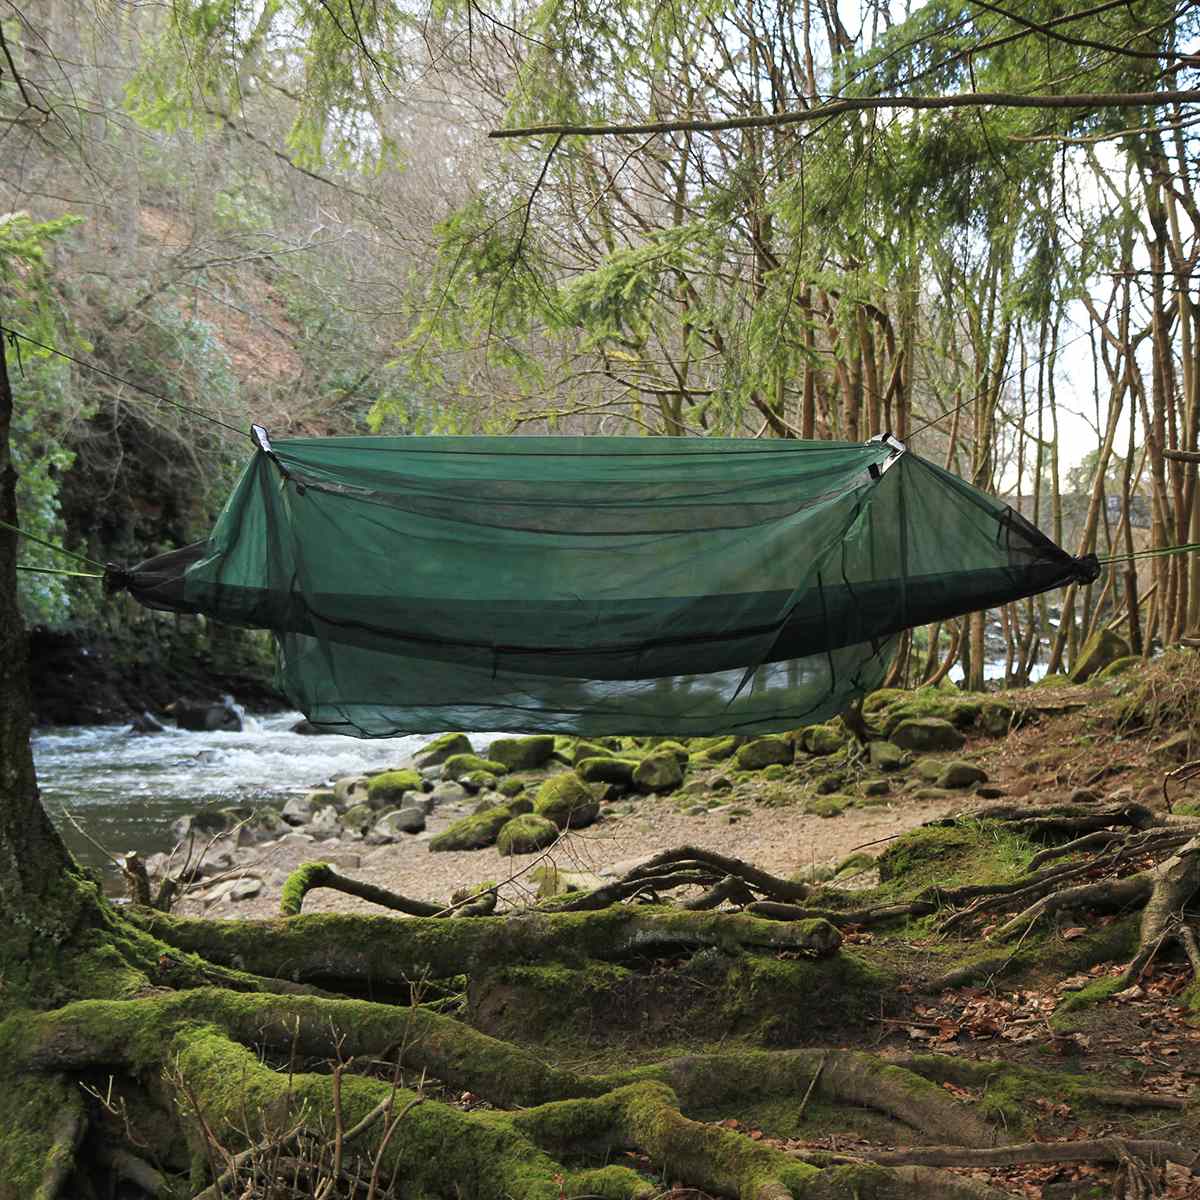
595, 585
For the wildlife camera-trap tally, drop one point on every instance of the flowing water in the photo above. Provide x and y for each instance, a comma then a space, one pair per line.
124, 790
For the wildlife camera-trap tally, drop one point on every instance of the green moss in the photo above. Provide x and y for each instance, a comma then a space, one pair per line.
442, 748
477, 830
298, 884
855, 863
510, 786
526, 834
567, 801
931, 845
31, 1108
521, 754
717, 749
384, 791
827, 806
458, 765
605, 769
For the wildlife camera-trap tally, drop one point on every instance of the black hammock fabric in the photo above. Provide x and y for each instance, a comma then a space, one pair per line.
675, 586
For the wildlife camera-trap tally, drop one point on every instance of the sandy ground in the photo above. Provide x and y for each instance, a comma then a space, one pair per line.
784, 841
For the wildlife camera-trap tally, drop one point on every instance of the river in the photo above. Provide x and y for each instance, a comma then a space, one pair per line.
125, 790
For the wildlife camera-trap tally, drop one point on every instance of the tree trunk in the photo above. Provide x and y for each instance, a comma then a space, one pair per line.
33, 859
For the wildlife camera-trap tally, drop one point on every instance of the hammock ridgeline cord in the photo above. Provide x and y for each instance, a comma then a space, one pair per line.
13, 335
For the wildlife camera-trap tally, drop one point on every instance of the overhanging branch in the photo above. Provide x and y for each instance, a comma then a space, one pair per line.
863, 104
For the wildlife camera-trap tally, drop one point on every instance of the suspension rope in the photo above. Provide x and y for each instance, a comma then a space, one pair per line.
57, 571
33, 537
1151, 552
13, 335
1037, 362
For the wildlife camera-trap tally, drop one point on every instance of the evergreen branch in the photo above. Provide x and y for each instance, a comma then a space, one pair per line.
863, 104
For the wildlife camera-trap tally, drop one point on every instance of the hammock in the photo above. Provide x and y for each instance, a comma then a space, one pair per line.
591, 585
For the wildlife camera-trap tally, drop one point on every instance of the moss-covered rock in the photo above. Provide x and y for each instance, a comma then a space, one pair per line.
566, 801
959, 774
359, 818
997, 718
658, 772
717, 749
526, 834
822, 739
1102, 648
479, 829
522, 753
478, 781
441, 748
918, 849
459, 765
774, 772
511, 786
927, 733
583, 749
671, 746
828, 784
877, 787
606, 770
1119, 666
855, 864
386, 790
350, 790
886, 756
763, 751
827, 806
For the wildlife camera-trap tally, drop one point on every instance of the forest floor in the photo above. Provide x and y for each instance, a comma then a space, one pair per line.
1032, 1033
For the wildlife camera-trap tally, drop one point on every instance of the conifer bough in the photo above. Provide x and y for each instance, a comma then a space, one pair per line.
833, 108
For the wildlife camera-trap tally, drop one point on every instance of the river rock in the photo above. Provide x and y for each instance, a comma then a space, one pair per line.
299, 810
306, 728
359, 819
658, 772
479, 829
325, 823
763, 751
448, 793
394, 825
386, 790
147, 723
523, 753
245, 889
568, 801
960, 775
1102, 648
222, 717
927, 733
441, 748
526, 834
886, 756
605, 770
263, 825
821, 739
351, 790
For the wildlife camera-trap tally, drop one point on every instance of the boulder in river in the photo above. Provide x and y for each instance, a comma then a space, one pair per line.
147, 723
223, 717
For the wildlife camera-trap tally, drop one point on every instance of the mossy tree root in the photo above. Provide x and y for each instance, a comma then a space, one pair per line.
215, 1047
310, 875
684, 865
381, 951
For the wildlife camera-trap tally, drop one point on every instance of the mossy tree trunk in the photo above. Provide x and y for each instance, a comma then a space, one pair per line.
33, 859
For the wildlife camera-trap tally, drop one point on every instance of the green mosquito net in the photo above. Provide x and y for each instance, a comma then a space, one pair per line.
594, 585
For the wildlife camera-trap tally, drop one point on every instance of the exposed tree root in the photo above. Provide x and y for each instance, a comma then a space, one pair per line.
69, 1127
311, 875
682, 866
1113, 1150
214, 1042
391, 953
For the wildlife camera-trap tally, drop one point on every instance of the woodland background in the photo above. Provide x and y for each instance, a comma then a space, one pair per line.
291, 213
